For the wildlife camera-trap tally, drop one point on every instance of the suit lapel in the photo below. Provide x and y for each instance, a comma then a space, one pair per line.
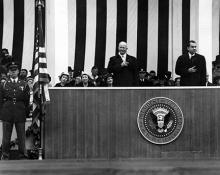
128, 58
119, 58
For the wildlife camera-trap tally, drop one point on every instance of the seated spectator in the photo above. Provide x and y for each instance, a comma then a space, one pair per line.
143, 78
76, 79
85, 81
216, 81
64, 79
161, 81
94, 78
23, 74
103, 77
168, 80
30, 82
216, 67
108, 81
154, 79
153, 75
71, 73
177, 81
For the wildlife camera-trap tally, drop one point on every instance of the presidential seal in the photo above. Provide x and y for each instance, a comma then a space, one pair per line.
160, 120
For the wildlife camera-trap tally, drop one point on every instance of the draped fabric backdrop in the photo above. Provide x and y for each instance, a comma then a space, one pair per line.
84, 33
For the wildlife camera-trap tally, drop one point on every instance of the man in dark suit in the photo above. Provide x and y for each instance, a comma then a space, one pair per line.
14, 108
123, 67
143, 78
191, 67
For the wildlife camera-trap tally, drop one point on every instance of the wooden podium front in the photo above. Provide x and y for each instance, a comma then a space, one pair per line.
102, 124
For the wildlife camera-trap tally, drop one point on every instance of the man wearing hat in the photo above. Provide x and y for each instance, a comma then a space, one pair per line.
14, 102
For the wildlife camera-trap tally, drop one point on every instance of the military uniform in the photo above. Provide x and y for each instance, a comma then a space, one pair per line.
14, 102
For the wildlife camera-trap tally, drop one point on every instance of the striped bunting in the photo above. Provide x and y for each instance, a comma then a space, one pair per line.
41, 79
97, 26
17, 30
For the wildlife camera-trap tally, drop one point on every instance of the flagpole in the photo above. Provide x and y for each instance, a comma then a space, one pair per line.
41, 79
41, 151
42, 128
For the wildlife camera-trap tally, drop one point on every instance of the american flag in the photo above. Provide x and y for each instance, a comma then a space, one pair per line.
41, 76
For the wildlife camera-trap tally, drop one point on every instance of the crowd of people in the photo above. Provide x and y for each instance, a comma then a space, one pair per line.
122, 71
105, 79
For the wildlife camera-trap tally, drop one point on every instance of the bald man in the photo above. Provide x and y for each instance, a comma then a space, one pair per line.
123, 67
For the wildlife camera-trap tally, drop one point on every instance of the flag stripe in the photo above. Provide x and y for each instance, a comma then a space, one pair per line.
1, 22
175, 34
132, 27
218, 27
163, 30
40, 89
8, 26
18, 36
71, 32
142, 32
194, 20
215, 29
101, 33
80, 34
90, 35
186, 24
29, 22
152, 42
121, 31
111, 29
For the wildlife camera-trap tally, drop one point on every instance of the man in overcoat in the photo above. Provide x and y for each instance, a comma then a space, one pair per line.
191, 67
123, 67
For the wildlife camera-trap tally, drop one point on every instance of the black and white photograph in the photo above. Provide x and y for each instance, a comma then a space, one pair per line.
109, 87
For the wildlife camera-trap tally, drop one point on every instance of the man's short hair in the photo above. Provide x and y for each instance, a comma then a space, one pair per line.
191, 41
152, 71
94, 67
25, 70
4, 50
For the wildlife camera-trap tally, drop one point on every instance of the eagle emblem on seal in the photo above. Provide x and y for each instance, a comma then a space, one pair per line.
160, 120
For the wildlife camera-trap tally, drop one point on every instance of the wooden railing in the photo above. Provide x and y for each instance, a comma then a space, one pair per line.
102, 124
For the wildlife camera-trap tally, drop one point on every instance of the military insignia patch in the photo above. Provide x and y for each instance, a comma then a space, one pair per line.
160, 120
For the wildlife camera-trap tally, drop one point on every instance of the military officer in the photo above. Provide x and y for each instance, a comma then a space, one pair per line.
14, 101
